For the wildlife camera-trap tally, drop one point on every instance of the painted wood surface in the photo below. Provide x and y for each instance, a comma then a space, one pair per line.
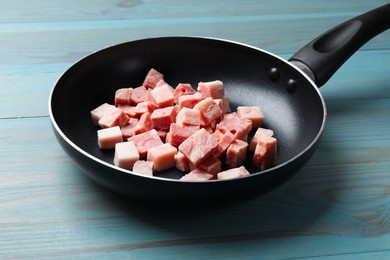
338, 206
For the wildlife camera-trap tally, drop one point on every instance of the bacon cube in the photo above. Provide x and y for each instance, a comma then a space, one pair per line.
123, 96
211, 165
259, 133
144, 124
129, 110
128, 130
140, 94
178, 134
143, 167
163, 117
265, 152
145, 106
197, 175
145, 141
190, 100
226, 105
209, 109
162, 157
126, 154
108, 137
213, 89
113, 117
182, 163
236, 153
188, 116
99, 112
223, 143
198, 146
181, 90
233, 173
163, 96
152, 78
252, 113
237, 126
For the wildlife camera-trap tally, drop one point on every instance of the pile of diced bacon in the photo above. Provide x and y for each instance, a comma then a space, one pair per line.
155, 127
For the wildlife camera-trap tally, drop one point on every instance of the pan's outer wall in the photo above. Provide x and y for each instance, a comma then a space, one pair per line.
296, 112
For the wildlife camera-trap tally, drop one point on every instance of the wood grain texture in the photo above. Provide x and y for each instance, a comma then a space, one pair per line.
337, 207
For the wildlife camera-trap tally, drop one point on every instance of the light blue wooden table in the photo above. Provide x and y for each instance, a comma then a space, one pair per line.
338, 206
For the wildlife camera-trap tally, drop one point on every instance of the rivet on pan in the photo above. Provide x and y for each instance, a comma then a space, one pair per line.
292, 86
274, 74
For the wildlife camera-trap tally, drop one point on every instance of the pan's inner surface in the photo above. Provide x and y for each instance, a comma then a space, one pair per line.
295, 113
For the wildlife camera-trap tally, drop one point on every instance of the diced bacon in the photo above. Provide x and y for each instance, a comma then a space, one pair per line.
218, 135
144, 124
143, 167
197, 175
126, 154
162, 96
223, 143
163, 117
152, 78
209, 109
128, 130
255, 139
140, 94
145, 141
213, 89
163, 83
265, 152
178, 134
252, 113
108, 137
162, 157
113, 117
237, 126
181, 90
123, 96
182, 163
211, 165
226, 105
233, 173
198, 146
236, 153
190, 100
129, 110
99, 112
143, 107
188, 116
162, 135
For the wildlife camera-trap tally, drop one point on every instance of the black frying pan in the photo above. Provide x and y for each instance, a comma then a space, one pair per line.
289, 97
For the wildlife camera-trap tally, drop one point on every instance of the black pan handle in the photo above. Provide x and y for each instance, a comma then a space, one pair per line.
323, 56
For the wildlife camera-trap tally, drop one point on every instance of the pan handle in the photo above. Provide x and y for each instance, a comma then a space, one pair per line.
323, 56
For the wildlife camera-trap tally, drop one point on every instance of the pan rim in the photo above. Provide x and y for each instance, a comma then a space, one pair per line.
157, 178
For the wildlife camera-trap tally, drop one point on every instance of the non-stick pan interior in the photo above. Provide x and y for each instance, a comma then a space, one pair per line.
292, 106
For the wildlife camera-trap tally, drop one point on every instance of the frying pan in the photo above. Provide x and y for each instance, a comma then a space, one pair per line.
287, 92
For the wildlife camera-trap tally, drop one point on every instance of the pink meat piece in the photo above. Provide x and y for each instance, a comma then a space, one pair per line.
162, 135
145, 106
162, 157
236, 153
226, 105
181, 90
259, 132
143, 167
223, 143
126, 154
209, 109
182, 163
253, 113
178, 134
218, 135
129, 110
152, 78
265, 152
163, 96
163, 117
163, 83
108, 137
213, 89
198, 146
190, 100
233, 173
123, 96
128, 130
237, 126
99, 112
188, 116
140, 94
113, 117
144, 124
145, 141
197, 175
211, 165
